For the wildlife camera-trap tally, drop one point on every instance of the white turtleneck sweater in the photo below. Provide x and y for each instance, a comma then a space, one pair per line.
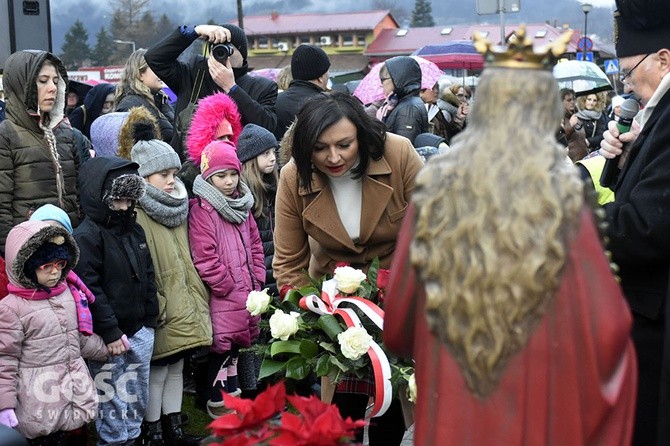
348, 194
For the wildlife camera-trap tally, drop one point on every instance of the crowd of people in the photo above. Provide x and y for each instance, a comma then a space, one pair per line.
132, 232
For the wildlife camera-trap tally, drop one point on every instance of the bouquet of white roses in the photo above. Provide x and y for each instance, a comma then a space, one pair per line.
331, 328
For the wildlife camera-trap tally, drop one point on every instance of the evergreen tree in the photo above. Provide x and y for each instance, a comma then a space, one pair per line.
104, 47
75, 49
422, 16
165, 26
146, 34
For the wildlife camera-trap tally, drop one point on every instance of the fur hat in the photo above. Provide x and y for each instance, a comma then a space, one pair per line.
49, 212
211, 111
123, 183
46, 253
105, 133
128, 136
641, 27
217, 157
253, 141
309, 62
238, 38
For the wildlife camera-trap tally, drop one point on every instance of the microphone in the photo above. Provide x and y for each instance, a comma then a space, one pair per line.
629, 108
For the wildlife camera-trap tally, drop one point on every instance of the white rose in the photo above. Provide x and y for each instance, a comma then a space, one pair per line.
411, 388
354, 342
258, 302
283, 325
348, 279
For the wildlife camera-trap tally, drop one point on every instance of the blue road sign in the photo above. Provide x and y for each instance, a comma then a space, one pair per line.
611, 66
589, 56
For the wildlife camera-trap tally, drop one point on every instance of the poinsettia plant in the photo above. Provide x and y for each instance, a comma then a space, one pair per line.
332, 328
274, 418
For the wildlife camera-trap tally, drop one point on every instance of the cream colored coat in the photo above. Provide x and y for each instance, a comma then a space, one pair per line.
309, 234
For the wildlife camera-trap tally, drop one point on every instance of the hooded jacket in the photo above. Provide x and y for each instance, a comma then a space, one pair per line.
409, 117
115, 260
38, 156
40, 341
82, 116
290, 102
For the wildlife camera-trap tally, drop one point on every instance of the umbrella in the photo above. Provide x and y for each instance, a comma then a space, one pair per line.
270, 73
583, 77
457, 54
370, 89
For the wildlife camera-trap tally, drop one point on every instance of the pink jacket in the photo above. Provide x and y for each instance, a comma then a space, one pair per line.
43, 376
229, 259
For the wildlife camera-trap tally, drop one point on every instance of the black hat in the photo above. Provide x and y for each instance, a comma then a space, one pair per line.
46, 253
641, 27
238, 39
309, 62
253, 141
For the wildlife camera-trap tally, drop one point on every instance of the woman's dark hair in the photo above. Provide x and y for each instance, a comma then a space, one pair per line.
322, 111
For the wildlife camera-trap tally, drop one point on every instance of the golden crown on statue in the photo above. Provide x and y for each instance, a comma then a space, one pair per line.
519, 51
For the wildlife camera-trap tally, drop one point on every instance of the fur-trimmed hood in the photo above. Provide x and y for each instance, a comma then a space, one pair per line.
19, 81
22, 242
206, 119
126, 135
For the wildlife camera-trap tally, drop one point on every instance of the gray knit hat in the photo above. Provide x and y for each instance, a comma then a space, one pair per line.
309, 62
154, 156
253, 141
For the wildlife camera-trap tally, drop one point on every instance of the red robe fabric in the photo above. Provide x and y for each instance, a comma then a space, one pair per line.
573, 384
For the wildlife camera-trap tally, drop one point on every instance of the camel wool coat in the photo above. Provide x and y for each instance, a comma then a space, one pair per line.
309, 235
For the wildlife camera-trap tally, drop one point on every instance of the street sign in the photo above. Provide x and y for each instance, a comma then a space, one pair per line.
585, 42
589, 56
611, 66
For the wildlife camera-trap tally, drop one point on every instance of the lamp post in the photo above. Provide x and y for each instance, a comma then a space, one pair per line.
127, 42
586, 7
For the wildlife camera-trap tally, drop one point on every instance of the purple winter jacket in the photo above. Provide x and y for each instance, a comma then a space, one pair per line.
229, 259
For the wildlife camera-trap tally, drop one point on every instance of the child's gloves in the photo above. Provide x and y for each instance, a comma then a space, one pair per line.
8, 418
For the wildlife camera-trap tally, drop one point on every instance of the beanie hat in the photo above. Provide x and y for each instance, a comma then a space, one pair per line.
53, 213
105, 133
641, 27
46, 253
217, 157
428, 140
253, 141
238, 38
154, 156
309, 62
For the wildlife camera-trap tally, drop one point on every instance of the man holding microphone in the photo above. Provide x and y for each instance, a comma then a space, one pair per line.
639, 217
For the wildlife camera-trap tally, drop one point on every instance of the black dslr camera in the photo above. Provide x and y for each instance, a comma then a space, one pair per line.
222, 51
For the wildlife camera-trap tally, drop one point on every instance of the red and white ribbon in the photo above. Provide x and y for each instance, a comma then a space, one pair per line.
329, 303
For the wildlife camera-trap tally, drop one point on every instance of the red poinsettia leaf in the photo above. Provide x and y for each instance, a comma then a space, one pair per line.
309, 407
239, 440
342, 264
383, 278
271, 401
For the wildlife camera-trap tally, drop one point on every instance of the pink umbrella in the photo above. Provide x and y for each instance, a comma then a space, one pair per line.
270, 73
370, 89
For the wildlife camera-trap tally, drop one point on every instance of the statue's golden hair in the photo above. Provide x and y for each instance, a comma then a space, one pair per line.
493, 218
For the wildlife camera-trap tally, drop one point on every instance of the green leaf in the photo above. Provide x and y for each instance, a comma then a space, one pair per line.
297, 368
329, 324
308, 349
372, 272
329, 347
270, 367
336, 362
279, 347
293, 297
323, 366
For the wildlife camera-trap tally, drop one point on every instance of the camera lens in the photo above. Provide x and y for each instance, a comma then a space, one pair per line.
222, 51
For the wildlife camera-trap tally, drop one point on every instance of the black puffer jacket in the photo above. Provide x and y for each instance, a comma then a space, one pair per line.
35, 169
159, 108
290, 102
115, 261
409, 117
266, 227
83, 116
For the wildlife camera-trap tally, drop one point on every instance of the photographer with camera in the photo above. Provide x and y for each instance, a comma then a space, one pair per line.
224, 70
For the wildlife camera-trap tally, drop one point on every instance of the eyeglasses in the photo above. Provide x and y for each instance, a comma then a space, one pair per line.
463, 97
51, 266
624, 76
383, 79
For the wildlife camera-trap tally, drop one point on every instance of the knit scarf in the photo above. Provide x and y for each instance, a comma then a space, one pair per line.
234, 210
170, 210
448, 110
588, 115
388, 105
80, 293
